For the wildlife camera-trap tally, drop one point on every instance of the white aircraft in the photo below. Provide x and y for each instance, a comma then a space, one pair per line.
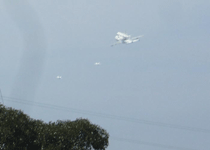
123, 38
97, 63
59, 77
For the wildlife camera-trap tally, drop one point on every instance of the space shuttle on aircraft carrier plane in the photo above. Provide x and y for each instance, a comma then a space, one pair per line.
123, 38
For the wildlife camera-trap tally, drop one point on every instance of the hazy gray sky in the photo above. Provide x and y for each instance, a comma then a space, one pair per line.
164, 78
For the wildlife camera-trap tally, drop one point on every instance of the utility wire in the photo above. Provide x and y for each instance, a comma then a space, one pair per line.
21, 101
128, 119
150, 144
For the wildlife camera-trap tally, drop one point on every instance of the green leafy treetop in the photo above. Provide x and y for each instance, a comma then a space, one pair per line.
19, 131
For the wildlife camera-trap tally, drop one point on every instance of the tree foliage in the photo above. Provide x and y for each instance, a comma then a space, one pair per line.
19, 131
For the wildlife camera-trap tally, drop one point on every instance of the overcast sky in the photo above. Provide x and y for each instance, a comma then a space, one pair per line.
155, 92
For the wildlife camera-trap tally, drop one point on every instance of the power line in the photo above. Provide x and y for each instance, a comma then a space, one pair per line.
128, 119
150, 144
21, 101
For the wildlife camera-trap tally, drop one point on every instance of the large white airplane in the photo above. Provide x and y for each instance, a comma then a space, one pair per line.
123, 38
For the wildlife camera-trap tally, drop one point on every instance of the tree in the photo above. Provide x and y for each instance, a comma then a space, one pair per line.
18, 131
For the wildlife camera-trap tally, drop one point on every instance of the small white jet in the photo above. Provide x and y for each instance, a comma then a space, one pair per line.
97, 63
123, 38
59, 77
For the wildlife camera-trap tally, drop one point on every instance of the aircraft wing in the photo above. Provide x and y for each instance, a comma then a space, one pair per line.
137, 37
116, 43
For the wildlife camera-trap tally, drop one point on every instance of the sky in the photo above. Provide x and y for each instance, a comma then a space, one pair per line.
152, 94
